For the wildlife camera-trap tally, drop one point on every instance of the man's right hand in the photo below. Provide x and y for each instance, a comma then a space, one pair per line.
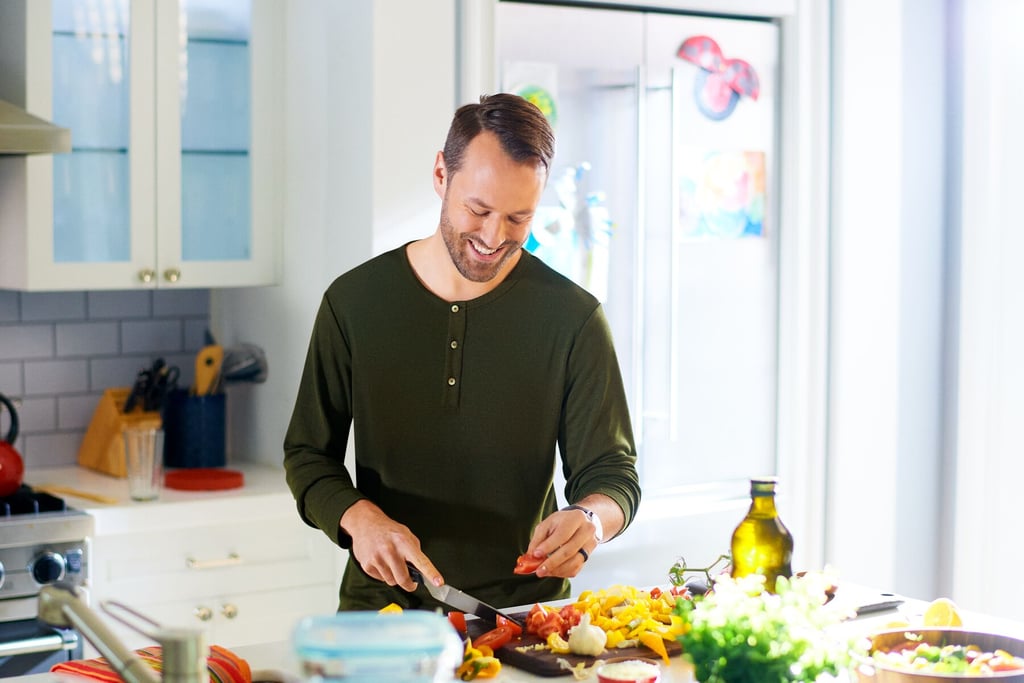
382, 546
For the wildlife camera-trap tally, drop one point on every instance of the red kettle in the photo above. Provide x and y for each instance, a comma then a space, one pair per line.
12, 467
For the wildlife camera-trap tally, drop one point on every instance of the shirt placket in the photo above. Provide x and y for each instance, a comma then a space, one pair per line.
453, 355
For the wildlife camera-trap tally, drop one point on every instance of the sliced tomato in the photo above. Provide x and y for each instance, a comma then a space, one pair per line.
655, 593
458, 620
570, 617
527, 564
517, 630
543, 621
494, 638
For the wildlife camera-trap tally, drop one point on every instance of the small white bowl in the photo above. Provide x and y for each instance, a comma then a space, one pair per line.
628, 670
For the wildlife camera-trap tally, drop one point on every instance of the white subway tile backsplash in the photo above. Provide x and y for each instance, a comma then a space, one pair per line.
56, 376
88, 339
8, 306
50, 450
26, 341
181, 302
151, 336
105, 373
75, 412
37, 306
10, 380
37, 415
60, 350
120, 305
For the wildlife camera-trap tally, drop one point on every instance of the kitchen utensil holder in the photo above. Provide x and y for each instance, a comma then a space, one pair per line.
102, 448
194, 429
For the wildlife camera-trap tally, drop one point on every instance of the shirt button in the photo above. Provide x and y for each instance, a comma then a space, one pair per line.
455, 308
451, 381
455, 344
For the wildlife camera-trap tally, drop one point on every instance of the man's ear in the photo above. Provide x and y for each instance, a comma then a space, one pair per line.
440, 175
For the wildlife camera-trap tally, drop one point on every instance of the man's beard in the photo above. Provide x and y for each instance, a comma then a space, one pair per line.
469, 268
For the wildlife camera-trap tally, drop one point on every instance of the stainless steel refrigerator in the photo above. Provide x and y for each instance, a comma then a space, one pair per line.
662, 202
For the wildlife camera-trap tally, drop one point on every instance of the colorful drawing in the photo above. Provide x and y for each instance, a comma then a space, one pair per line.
720, 82
542, 99
721, 194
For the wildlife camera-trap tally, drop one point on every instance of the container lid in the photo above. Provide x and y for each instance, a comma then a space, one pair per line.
203, 479
414, 645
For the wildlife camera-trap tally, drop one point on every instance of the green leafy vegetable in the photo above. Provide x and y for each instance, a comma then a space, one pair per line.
741, 634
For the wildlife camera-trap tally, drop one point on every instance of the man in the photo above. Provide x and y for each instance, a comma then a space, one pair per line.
461, 361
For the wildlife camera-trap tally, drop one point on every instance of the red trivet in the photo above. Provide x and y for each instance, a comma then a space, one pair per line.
203, 479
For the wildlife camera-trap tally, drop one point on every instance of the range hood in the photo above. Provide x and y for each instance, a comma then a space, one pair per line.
23, 133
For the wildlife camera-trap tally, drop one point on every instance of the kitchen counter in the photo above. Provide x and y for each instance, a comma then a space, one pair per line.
276, 663
123, 513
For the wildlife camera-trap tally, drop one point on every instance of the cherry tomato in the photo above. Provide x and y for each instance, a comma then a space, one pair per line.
458, 620
517, 630
494, 638
527, 564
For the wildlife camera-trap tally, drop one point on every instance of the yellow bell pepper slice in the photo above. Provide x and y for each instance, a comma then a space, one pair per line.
558, 644
655, 643
392, 608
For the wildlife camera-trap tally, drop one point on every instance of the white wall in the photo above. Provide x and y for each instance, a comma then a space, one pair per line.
370, 88
990, 466
887, 255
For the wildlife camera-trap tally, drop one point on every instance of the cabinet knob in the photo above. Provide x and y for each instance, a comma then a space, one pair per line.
229, 611
172, 274
203, 613
146, 275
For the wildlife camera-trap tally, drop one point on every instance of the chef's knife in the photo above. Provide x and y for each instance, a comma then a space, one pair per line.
463, 602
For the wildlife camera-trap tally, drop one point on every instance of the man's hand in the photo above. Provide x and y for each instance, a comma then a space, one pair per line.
565, 539
382, 546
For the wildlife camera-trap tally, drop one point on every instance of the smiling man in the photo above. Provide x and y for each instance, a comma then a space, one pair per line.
464, 364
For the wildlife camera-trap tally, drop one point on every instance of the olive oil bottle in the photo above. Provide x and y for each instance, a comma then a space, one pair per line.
762, 544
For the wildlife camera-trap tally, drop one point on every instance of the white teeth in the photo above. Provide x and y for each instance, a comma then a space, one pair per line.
483, 250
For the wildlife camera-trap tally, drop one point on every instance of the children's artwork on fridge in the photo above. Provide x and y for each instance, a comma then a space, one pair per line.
720, 81
721, 193
536, 83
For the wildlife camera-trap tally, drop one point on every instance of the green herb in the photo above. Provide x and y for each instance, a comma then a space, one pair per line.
741, 634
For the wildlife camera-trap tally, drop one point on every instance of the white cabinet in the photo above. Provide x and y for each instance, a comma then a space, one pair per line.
239, 564
176, 119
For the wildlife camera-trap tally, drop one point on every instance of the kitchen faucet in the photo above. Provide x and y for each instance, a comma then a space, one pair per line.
184, 650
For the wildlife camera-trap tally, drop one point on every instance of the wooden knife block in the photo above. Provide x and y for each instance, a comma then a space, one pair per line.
102, 447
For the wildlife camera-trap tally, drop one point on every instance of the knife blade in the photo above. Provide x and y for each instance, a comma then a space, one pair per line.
464, 602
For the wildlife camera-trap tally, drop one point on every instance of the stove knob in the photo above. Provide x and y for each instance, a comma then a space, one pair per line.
48, 567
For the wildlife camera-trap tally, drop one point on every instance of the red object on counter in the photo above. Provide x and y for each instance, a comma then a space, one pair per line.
203, 479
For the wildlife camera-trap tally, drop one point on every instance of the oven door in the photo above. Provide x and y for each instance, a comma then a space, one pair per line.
30, 647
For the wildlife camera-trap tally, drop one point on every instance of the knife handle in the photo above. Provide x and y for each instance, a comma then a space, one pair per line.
414, 573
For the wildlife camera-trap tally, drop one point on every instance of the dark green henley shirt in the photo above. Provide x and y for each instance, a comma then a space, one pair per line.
457, 408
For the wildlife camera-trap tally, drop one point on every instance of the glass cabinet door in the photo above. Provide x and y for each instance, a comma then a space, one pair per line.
92, 185
214, 90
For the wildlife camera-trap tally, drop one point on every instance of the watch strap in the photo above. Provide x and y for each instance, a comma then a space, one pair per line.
594, 519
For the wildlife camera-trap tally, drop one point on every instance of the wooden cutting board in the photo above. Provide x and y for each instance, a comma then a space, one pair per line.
545, 663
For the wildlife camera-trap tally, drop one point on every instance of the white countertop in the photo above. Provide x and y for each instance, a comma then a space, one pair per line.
123, 513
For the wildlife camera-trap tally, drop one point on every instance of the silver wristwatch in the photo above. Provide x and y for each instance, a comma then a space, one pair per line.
594, 519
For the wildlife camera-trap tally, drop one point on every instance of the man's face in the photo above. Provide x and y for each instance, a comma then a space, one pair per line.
487, 207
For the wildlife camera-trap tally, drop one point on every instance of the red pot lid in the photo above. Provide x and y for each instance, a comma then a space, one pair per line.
203, 479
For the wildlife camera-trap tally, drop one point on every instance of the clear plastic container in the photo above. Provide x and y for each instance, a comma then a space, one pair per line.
360, 647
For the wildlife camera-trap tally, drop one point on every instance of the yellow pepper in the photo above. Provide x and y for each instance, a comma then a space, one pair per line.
392, 608
558, 644
479, 667
655, 642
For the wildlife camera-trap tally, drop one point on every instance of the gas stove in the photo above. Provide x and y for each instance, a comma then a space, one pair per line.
42, 540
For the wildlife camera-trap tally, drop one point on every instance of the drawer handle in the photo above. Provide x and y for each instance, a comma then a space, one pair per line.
229, 561
229, 611
203, 613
